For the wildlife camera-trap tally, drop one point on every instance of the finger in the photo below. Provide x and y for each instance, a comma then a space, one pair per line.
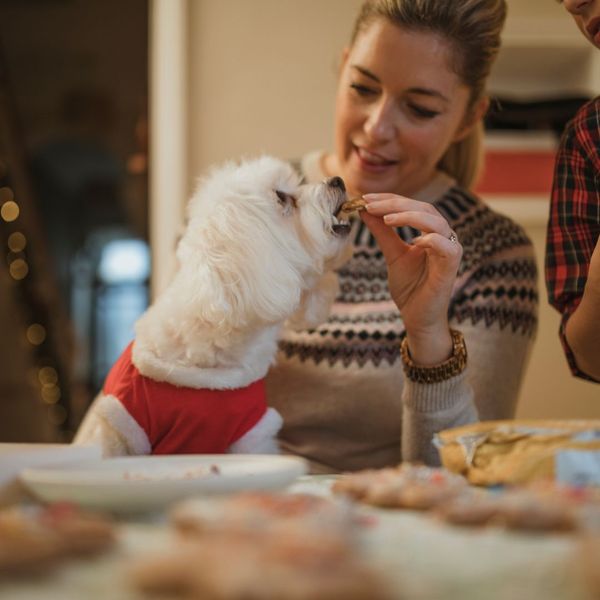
426, 222
441, 246
381, 204
388, 240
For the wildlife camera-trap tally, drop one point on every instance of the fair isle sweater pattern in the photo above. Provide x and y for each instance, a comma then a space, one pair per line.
496, 285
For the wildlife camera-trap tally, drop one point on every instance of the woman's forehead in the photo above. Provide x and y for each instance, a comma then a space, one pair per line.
397, 56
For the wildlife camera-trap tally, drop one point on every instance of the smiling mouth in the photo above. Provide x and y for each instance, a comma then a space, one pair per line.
372, 158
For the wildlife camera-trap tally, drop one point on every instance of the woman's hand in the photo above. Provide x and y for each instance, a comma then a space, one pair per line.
421, 274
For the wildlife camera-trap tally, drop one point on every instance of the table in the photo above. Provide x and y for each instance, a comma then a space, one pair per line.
421, 558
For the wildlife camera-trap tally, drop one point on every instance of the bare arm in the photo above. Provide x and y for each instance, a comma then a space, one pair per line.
583, 327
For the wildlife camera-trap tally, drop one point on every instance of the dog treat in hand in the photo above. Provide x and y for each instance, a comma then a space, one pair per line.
353, 205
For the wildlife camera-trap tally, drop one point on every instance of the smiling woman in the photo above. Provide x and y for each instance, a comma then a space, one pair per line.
435, 274
395, 120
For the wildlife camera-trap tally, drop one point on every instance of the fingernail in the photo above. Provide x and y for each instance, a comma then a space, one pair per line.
387, 218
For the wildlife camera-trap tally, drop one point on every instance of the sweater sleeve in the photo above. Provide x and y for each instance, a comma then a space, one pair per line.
429, 408
496, 310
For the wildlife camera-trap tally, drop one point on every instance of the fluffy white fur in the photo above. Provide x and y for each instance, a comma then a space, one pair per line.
258, 249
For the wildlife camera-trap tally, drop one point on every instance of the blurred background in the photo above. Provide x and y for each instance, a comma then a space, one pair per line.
74, 193
111, 109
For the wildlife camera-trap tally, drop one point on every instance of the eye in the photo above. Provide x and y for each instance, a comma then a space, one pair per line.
422, 112
285, 198
363, 90
287, 202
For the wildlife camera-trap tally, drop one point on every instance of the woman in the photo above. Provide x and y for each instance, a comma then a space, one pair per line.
370, 386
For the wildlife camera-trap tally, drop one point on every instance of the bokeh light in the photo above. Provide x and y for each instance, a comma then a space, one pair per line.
36, 334
17, 241
18, 269
50, 393
10, 211
47, 375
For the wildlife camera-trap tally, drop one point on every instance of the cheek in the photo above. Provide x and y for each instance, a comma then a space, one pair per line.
431, 142
421, 142
347, 116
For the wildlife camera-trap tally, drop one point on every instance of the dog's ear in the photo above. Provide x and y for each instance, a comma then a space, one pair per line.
287, 202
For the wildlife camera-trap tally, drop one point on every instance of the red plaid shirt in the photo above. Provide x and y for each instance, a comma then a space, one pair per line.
574, 224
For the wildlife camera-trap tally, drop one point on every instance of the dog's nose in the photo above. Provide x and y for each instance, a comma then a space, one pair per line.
336, 182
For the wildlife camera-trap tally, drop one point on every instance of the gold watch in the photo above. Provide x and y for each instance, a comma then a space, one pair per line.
436, 373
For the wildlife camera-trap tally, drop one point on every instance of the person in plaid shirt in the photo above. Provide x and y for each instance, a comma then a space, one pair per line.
572, 245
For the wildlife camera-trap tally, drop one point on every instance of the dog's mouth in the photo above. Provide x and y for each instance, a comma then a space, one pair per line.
341, 221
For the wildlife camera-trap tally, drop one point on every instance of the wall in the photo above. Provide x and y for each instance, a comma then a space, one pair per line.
262, 77
549, 390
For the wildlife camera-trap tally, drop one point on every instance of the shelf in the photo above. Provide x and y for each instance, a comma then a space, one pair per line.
532, 70
543, 54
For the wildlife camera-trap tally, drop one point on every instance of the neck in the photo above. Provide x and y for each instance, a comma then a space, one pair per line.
186, 352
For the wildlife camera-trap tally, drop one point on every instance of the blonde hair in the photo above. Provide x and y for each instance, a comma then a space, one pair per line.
472, 28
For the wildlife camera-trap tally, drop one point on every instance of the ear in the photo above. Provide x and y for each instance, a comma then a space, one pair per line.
472, 119
287, 202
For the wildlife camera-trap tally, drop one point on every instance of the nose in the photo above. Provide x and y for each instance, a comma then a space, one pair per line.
379, 125
336, 182
576, 6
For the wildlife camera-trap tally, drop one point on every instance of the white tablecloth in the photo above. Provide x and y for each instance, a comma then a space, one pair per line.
420, 557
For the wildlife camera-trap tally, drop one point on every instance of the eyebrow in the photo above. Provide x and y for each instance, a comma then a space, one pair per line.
414, 90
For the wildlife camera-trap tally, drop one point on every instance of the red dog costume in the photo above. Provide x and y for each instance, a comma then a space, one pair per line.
145, 416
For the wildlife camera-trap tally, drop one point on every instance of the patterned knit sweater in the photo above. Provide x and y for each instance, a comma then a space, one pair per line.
340, 388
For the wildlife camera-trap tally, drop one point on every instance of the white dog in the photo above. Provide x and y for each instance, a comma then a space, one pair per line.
258, 249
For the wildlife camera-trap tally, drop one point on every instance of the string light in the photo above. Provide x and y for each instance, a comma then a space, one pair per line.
10, 211
36, 334
45, 380
47, 375
50, 393
17, 242
18, 269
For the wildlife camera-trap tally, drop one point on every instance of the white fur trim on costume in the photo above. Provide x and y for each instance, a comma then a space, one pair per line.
116, 415
224, 378
261, 438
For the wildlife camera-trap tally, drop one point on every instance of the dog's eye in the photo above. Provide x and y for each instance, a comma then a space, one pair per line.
285, 199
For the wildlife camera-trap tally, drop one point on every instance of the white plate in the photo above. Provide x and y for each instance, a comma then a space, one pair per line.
141, 483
